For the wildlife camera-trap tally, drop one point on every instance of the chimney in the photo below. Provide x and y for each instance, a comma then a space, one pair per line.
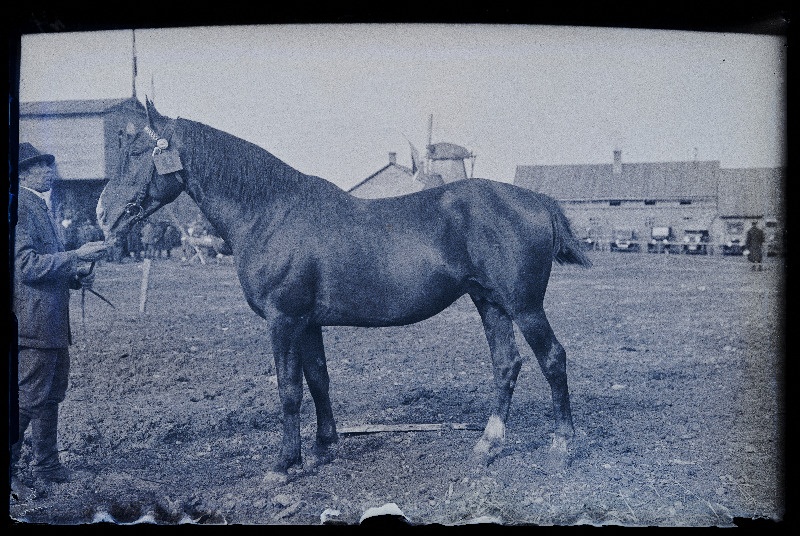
392, 158
617, 162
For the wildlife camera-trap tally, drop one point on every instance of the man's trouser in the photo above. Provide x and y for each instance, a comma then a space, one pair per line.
42, 379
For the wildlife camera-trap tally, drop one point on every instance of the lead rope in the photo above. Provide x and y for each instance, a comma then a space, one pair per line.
83, 300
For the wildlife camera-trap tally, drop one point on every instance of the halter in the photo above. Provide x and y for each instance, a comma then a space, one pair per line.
134, 209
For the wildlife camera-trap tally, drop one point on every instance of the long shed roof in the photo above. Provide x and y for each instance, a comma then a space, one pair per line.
647, 180
69, 107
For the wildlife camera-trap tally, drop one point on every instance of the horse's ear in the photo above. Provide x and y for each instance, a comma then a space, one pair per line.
154, 119
148, 104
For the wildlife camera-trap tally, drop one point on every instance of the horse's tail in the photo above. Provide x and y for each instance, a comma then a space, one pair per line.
566, 248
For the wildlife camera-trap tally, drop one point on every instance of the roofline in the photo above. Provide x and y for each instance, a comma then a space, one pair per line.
113, 103
384, 168
706, 197
610, 164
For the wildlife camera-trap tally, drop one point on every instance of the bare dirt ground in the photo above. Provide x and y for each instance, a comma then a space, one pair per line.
675, 370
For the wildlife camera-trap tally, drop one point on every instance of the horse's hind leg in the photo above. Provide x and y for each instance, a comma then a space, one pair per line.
506, 363
312, 353
553, 362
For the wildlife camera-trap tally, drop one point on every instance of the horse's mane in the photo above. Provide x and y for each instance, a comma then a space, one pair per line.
248, 172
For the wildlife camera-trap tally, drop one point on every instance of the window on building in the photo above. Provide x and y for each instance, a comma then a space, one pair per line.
615, 203
649, 202
735, 227
686, 201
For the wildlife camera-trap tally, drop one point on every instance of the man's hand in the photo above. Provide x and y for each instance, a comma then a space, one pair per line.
86, 276
92, 251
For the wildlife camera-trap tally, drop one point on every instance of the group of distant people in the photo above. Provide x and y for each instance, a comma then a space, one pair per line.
146, 240
78, 230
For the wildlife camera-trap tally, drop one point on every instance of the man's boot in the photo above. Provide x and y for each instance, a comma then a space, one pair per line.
19, 490
47, 465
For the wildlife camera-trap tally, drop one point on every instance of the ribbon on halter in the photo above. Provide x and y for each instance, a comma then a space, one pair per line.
165, 162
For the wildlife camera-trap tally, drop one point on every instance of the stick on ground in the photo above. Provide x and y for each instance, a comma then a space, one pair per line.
377, 428
145, 283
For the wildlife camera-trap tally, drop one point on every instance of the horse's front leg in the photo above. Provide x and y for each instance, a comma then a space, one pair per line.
286, 341
316, 373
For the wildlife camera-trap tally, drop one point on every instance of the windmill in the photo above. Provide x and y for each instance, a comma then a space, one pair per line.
443, 162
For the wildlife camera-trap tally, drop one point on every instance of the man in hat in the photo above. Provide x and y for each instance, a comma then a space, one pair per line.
754, 244
44, 273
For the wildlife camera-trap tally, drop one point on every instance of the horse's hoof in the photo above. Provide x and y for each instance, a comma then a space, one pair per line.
485, 452
560, 444
481, 447
558, 457
325, 441
275, 477
556, 462
319, 456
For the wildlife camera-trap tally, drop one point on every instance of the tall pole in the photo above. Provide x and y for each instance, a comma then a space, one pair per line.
428, 149
133, 78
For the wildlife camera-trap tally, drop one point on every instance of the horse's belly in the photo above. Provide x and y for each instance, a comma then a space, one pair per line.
388, 305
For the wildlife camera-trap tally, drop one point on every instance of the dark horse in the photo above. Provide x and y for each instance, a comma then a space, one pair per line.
310, 255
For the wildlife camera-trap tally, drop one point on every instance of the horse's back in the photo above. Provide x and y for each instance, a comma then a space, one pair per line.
496, 236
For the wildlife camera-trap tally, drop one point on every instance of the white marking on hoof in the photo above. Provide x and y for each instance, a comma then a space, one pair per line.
493, 435
482, 447
495, 431
559, 444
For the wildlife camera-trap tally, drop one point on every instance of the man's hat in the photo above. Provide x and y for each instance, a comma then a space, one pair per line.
29, 155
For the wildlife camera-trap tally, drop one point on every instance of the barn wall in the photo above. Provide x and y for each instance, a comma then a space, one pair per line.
75, 141
598, 219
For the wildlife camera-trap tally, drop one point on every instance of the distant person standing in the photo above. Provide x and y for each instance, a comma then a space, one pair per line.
151, 235
70, 231
171, 238
754, 244
134, 237
44, 273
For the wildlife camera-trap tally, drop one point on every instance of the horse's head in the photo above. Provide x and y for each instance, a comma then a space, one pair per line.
148, 174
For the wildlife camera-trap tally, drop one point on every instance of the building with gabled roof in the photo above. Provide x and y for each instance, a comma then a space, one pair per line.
663, 181
391, 180
444, 163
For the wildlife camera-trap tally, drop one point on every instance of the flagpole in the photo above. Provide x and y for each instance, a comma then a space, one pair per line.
133, 79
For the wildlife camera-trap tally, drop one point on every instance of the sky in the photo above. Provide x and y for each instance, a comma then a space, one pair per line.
335, 100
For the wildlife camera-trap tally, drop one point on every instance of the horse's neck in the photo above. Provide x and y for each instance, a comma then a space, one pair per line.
224, 214
234, 217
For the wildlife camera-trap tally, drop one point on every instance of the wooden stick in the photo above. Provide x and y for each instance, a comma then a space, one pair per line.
145, 284
433, 427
